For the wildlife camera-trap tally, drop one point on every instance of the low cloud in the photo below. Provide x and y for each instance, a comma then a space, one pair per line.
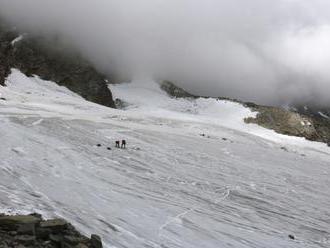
271, 52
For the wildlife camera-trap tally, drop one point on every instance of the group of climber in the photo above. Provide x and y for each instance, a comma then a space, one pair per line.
121, 145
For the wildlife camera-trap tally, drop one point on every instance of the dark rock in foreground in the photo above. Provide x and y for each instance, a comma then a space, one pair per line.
27, 231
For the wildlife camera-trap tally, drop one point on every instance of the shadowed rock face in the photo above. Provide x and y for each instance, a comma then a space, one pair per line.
48, 59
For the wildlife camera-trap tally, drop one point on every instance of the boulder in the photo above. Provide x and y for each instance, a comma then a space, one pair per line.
25, 239
22, 223
96, 241
43, 233
32, 231
55, 225
57, 239
73, 240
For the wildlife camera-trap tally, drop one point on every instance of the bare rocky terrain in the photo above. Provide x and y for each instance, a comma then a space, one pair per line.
311, 123
31, 231
292, 122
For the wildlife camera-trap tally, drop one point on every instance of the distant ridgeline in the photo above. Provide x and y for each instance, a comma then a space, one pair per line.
48, 59
308, 121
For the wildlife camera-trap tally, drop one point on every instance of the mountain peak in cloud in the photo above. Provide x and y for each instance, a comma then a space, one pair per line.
269, 52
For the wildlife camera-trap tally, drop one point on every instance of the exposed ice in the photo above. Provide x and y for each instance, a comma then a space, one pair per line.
171, 187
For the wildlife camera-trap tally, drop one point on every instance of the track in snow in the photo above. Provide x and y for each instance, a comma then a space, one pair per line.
172, 187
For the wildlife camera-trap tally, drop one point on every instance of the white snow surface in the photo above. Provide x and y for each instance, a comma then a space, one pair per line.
193, 175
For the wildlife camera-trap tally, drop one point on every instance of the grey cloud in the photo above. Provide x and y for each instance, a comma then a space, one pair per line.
271, 52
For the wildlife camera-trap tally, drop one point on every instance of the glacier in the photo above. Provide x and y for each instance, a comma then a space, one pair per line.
194, 174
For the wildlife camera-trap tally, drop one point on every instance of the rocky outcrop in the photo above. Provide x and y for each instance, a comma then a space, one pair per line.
294, 122
309, 122
320, 116
27, 231
284, 122
49, 59
174, 91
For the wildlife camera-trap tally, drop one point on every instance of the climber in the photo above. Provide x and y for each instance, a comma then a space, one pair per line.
123, 144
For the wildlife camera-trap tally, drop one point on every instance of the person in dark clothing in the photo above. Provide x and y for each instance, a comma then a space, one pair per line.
123, 144
117, 143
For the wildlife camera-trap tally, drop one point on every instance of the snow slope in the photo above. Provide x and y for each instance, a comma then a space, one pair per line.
238, 185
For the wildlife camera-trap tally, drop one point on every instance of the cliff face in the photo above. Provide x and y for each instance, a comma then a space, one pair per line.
49, 60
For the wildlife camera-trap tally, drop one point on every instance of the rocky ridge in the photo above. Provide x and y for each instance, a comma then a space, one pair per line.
31, 231
49, 59
288, 122
308, 122
174, 91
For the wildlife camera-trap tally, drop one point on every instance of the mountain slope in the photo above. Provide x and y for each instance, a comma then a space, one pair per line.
52, 60
194, 174
311, 122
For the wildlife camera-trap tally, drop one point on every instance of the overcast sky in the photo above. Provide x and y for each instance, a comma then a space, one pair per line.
269, 51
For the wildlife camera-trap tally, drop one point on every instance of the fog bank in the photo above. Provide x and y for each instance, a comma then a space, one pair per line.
271, 52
